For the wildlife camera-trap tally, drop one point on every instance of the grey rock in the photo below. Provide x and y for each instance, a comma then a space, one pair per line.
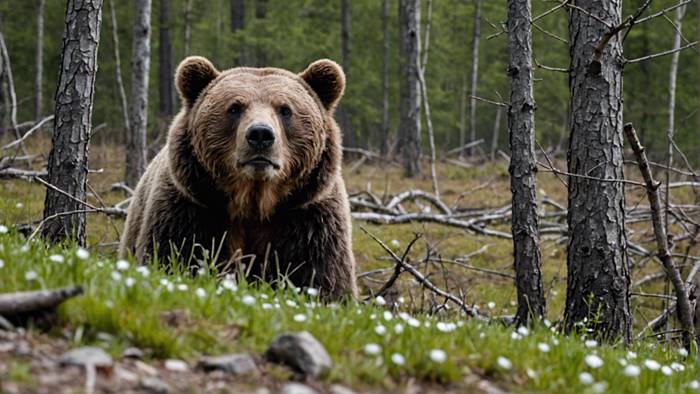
175, 365
88, 355
237, 364
301, 351
339, 389
297, 388
154, 385
133, 352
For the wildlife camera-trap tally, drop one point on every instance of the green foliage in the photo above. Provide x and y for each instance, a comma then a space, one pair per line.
294, 33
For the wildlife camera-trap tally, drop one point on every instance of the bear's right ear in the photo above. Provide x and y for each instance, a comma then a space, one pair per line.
192, 76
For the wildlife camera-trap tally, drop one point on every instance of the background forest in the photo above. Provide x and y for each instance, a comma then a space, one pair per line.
290, 34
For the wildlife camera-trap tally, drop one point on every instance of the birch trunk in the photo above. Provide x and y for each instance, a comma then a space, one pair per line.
118, 65
140, 64
475, 74
384, 138
409, 104
39, 61
598, 274
68, 160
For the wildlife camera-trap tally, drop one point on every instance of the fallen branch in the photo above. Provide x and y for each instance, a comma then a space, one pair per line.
29, 132
35, 301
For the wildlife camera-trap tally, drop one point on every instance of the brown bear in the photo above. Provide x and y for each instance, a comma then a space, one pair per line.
251, 167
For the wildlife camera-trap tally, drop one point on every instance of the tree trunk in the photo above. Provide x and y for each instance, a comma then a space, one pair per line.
118, 65
261, 9
409, 104
68, 160
39, 61
3, 94
475, 73
697, 25
384, 142
496, 132
140, 64
237, 15
343, 116
426, 103
463, 116
166, 99
426, 41
188, 26
598, 274
523, 167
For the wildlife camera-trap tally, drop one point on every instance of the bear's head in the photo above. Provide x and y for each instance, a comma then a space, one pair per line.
259, 136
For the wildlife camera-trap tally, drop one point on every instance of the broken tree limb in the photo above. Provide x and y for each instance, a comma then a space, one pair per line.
683, 303
35, 301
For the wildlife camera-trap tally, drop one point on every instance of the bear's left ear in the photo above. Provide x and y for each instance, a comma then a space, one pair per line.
192, 76
327, 79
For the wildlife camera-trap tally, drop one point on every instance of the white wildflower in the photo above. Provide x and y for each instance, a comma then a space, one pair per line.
299, 317
413, 322
591, 343
439, 356
666, 370
30, 275
398, 359
19, 205
585, 378
143, 270
312, 291
228, 284
632, 371
182, 287
515, 336
122, 265
380, 330
291, 303
677, 367
694, 384
372, 349
379, 300
683, 352
129, 282
82, 253
599, 387
395, 243
631, 355
388, 316
266, 306
593, 361
2, 263
652, 365
116, 276
4, 229
491, 305
504, 362
547, 323
57, 258
200, 292
398, 328
522, 330
544, 348
248, 299
531, 373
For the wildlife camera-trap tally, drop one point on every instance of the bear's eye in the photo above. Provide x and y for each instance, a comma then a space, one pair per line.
285, 111
235, 109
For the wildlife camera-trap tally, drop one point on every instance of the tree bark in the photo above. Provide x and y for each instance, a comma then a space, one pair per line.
496, 132
384, 142
697, 24
409, 104
166, 98
39, 61
118, 65
523, 167
188, 25
598, 274
140, 64
475, 73
68, 160
237, 15
349, 139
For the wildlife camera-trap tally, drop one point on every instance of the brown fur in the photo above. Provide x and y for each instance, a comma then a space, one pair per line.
201, 189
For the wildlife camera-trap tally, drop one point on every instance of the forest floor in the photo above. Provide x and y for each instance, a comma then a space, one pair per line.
167, 316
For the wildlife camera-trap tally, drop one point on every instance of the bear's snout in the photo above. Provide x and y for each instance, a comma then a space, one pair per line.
260, 136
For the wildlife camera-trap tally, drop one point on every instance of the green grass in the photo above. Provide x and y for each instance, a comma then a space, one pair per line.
128, 303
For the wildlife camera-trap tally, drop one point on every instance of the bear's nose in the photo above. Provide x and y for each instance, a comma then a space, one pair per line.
260, 136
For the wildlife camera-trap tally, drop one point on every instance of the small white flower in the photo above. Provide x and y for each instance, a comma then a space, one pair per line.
312, 291
57, 258
439, 356
291, 303
228, 284
388, 316
555, 341
299, 317
694, 384
677, 367
531, 373
413, 322
547, 323
491, 304
116, 276
599, 387
3, 229
652, 365
632, 371
129, 282
544, 348
19, 205
446, 326
522, 330
182, 287
591, 343
201, 293
401, 300
666, 370
504, 362
248, 299
30, 275
164, 282
515, 336
631, 355
170, 287
398, 328
380, 330
82, 253
395, 243
594, 361
380, 301
122, 265
143, 270
404, 316
622, 361
585, 378
266, 306
398, 359
24, 249
683, 352
372, 349
2, 263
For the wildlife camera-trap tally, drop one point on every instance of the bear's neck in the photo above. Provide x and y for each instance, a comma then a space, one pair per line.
254, 201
